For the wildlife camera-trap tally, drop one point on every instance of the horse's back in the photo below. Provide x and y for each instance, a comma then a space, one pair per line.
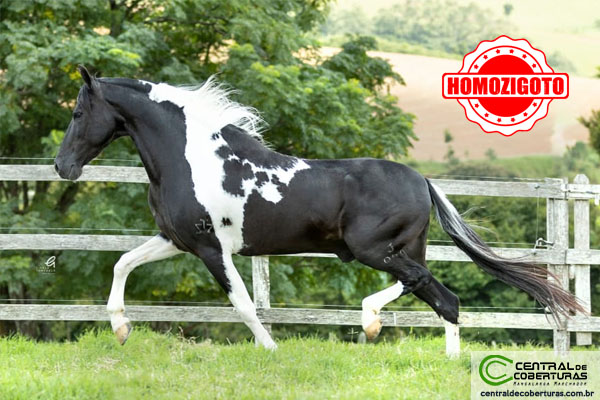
331, 197
373, 183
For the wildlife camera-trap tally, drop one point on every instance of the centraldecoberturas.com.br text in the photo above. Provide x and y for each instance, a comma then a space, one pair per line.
537, 393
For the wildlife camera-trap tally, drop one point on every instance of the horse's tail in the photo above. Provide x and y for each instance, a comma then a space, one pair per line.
528, 277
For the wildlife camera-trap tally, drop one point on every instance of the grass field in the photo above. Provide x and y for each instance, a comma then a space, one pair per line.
160, 366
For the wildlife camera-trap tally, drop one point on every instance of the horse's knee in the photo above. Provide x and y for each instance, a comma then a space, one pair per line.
247, 312
124, 265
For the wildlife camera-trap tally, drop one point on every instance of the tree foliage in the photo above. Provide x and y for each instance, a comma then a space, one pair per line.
592, 123
441, 25
434, 26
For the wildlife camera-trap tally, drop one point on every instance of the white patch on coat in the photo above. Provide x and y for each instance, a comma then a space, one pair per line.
207, 109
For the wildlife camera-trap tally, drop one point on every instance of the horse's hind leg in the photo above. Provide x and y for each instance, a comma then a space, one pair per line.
403, 256
443, 301
411, 276
154, 249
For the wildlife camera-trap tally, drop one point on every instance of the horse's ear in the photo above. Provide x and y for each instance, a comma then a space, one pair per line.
87, 78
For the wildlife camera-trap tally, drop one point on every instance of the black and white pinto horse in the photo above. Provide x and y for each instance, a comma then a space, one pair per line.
217, 190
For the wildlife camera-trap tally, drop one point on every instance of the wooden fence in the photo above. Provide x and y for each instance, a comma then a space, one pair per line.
566, 262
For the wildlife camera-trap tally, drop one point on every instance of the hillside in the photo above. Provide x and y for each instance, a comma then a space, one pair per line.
547, 24
422, 97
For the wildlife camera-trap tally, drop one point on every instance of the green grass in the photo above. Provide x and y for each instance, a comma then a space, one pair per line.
159, 366
535, 166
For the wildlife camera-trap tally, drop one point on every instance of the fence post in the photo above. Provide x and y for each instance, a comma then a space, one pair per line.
581, 224
557, 230
261, 285
452, 339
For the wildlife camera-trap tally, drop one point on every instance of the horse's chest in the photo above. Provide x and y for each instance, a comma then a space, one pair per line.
179, 216
223, 180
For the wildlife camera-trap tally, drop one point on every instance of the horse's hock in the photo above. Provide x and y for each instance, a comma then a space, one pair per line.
567, 264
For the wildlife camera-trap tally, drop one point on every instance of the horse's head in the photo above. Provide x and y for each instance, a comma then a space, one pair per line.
95, 123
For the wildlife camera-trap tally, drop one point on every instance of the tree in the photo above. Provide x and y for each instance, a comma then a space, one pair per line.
443, 25
592, 123
314, 108
350, 21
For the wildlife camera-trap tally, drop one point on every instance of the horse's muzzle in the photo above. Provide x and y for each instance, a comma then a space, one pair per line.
71, 173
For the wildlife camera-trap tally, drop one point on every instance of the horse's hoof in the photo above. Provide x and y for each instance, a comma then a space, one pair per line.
372, 331
123, 332
270, 346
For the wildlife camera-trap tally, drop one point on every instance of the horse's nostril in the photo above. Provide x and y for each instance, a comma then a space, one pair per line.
55, 166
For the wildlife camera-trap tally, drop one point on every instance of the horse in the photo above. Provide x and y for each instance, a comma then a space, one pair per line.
216, 190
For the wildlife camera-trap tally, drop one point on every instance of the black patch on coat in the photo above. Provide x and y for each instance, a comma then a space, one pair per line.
280, 186
249, 148
224, 152
226, 222
261, 178
235, 173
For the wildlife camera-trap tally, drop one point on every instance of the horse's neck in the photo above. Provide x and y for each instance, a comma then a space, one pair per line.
157, 130
169, 139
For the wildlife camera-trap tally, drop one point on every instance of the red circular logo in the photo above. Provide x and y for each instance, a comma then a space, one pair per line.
505, 85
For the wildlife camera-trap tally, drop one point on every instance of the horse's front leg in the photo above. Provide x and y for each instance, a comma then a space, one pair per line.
221, 266
157, 248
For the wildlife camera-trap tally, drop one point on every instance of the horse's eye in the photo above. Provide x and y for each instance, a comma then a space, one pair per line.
77, 114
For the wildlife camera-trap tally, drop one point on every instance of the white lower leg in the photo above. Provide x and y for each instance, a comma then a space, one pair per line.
155, 249
247, 311
116, 302
372, 305
243, 304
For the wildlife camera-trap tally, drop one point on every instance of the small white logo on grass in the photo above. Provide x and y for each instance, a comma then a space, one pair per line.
535, 375
49, 266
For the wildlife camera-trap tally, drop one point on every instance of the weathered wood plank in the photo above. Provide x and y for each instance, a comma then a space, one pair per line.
94, 173
100, 173
39, 241
581, 225
97, 173
17, 241
501, 189
60, 312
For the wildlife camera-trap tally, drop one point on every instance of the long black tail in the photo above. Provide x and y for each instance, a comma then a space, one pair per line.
528, 277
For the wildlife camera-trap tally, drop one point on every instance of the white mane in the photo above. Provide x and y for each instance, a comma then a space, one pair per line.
210, 104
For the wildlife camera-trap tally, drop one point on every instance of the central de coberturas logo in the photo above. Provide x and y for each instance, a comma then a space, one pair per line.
495, 370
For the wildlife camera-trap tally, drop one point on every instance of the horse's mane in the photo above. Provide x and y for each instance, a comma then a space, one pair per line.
210, 101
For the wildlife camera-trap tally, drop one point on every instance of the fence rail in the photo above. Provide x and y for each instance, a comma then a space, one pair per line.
567, 263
